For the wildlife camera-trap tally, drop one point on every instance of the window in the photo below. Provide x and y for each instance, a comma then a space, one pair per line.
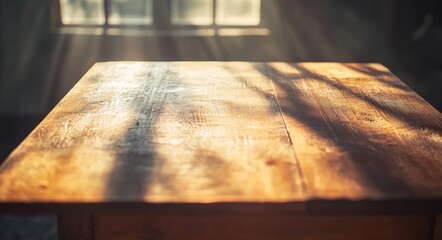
234, 12
130, 12
192, 12
181, 12
161, 17
82, 11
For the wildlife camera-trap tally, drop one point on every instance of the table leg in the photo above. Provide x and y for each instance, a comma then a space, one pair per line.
437, 234
75, 226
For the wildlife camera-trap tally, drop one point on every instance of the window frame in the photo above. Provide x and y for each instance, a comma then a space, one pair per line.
161, 19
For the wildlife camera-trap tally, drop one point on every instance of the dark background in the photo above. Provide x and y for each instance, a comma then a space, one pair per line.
38, 66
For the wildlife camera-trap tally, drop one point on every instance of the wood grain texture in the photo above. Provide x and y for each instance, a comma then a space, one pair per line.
359, 132
207, 132
137, 227
159, 132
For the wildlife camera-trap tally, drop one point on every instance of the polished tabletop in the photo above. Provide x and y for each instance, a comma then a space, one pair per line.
230, 132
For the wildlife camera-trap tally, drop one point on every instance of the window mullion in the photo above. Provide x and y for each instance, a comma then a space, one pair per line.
106, 12
214, 14
161, 14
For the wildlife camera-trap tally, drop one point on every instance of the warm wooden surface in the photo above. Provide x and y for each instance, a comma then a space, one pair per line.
201, 132
359, 132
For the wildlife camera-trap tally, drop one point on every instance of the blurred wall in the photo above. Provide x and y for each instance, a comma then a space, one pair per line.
38, 66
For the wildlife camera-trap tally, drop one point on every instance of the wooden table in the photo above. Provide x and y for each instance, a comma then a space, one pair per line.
233, 150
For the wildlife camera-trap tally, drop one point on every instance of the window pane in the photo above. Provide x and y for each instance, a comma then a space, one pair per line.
82, 11
193, 12
238, 12
130, 12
